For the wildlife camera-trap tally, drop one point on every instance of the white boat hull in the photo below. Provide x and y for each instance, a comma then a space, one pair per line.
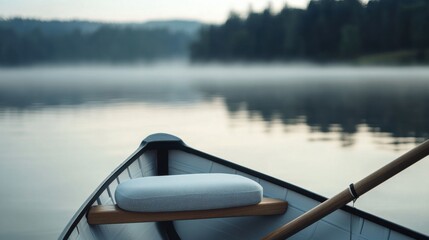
162, 154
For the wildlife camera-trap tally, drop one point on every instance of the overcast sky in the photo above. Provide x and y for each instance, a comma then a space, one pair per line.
214, 11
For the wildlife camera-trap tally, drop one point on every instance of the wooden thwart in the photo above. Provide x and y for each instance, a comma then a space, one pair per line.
109, 214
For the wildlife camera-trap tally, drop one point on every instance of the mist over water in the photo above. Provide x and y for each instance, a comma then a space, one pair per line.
326, 98
63, 129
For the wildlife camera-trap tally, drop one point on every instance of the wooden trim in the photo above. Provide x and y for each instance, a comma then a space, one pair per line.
110, 214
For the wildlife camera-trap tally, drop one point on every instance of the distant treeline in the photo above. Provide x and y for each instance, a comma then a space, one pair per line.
328, 30
88, 42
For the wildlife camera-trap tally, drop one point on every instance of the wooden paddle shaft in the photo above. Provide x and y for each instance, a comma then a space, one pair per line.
346, 195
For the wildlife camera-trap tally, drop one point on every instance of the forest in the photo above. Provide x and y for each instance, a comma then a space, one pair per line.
328, 30
26, 41
379, 31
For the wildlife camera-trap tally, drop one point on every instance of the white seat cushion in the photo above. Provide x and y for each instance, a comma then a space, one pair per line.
187, 192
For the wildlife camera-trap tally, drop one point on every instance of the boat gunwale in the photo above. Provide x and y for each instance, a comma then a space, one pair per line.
178, 144
97, 192
360, 213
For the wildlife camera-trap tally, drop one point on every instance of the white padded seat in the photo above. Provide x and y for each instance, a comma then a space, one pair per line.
187, 192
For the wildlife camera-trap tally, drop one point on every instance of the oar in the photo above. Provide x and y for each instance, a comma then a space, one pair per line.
351, 193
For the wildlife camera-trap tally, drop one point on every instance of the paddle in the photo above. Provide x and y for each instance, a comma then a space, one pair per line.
351, 193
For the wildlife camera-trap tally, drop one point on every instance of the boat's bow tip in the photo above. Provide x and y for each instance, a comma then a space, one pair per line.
160, 137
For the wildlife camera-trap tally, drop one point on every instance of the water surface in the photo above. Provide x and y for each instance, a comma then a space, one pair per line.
64, 128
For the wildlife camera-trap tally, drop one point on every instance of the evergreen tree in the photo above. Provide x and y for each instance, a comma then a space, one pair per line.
326, 30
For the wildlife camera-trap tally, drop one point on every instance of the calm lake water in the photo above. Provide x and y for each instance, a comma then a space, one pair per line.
63, 129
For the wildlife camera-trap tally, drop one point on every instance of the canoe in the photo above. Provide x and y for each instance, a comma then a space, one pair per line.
163, 154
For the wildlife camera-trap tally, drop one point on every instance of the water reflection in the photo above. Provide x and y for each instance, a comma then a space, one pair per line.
29, 88
396, 108
328, 100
